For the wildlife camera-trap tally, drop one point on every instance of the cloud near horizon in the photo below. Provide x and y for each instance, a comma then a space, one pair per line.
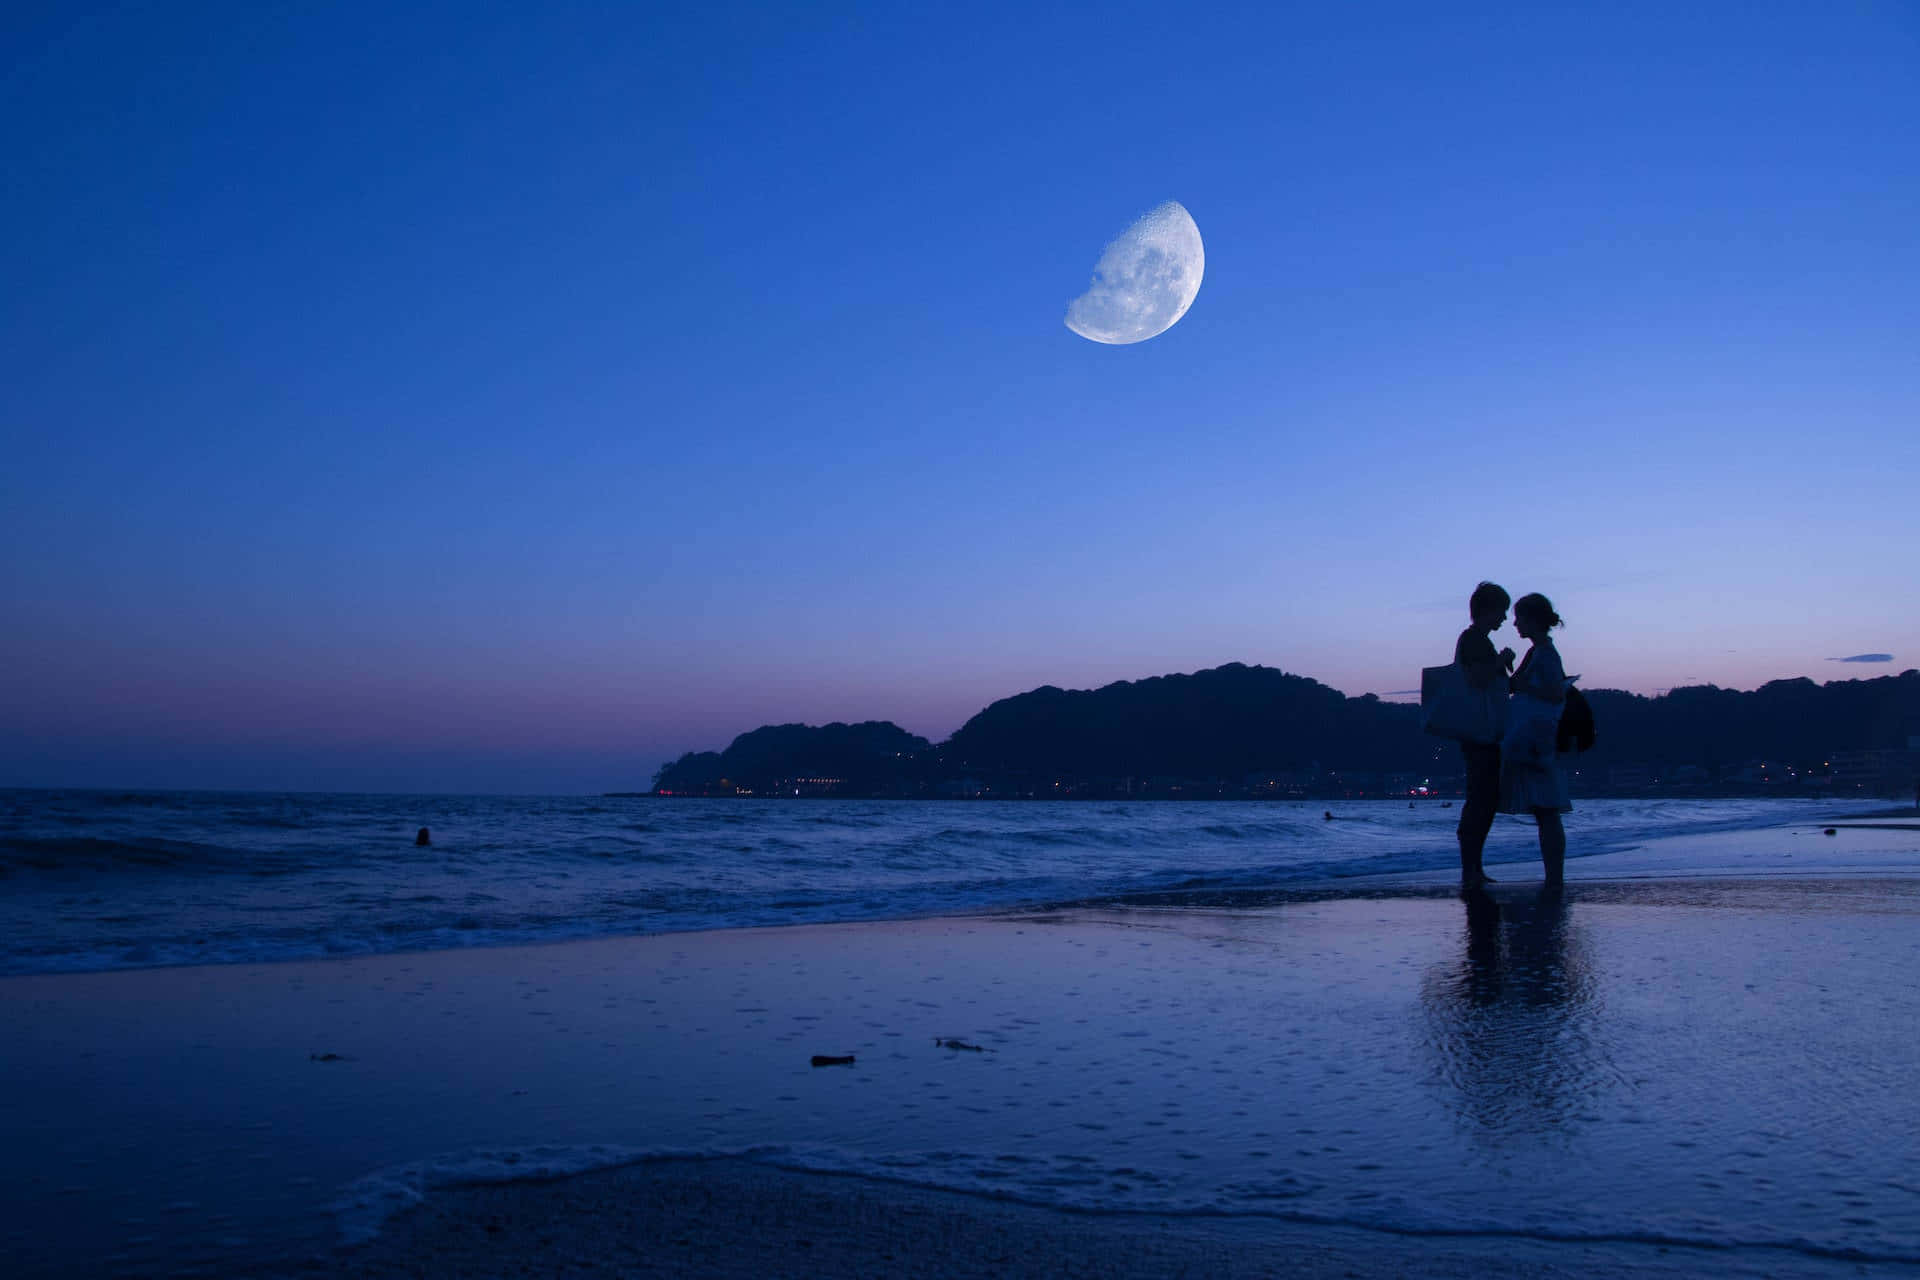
1865, 657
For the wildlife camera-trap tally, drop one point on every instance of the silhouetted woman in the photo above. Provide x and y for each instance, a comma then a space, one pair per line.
1531, 779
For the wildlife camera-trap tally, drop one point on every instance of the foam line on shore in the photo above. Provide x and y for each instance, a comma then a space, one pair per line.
365, 1207
371, 1203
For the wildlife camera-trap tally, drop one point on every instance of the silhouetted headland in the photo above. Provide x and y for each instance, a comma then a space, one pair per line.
1239, 732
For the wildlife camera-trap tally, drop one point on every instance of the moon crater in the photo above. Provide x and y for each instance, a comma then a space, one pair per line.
1145, 280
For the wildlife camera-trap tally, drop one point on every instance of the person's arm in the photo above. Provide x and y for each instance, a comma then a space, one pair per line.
1481, 665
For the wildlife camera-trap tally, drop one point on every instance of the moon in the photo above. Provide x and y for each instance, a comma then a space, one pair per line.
1145, 280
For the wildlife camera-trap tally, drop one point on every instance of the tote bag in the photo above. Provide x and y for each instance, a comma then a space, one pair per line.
1452, 708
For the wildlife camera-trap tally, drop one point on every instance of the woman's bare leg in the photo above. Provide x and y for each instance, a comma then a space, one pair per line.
1553, 843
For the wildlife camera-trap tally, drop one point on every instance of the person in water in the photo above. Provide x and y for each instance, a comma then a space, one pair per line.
1474, 654
1531, 778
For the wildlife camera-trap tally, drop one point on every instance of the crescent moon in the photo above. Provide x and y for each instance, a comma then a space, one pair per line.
1145, 280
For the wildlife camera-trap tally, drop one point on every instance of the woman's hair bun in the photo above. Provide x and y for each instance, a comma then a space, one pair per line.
1535, 605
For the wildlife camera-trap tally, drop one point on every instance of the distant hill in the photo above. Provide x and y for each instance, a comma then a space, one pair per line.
1238, 730
1225, 722
1792, 720
856, 759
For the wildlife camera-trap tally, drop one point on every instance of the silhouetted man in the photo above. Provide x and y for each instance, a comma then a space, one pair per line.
1482, 666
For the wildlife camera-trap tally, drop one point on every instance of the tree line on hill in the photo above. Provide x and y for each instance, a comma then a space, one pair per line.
1246, 730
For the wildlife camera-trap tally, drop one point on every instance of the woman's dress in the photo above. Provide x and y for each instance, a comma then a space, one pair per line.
1531, 776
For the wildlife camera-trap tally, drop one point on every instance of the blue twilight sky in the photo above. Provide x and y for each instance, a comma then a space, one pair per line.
512, 397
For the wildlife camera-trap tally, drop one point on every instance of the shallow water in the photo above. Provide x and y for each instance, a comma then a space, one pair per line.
97, 880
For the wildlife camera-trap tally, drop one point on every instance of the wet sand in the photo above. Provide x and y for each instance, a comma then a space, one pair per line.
1703, 1062
738, 1220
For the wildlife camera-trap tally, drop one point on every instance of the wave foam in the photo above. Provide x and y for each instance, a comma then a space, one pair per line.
1072, 1183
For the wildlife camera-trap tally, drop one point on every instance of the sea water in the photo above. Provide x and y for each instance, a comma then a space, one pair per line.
97, 880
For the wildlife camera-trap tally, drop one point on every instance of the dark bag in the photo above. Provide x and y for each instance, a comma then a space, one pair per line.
1576, 723
1452, 708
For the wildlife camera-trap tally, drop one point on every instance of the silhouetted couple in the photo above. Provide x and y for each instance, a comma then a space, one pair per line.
1521, 773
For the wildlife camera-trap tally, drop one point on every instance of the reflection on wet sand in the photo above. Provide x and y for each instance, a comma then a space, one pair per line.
1513, 1022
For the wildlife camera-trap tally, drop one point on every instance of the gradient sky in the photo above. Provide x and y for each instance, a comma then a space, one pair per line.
445, 397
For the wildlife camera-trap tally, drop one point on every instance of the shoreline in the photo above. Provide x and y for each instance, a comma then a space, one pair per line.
1688, 1050
729, 1218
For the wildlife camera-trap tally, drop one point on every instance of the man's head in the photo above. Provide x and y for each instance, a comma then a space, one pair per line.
1488, 605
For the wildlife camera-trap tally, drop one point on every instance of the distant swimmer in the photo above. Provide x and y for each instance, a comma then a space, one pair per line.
1329, 815
422, 840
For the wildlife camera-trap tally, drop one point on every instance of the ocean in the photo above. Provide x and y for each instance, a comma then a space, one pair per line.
94, 880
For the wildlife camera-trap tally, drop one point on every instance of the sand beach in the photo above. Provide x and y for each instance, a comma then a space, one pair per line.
1698, 1057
